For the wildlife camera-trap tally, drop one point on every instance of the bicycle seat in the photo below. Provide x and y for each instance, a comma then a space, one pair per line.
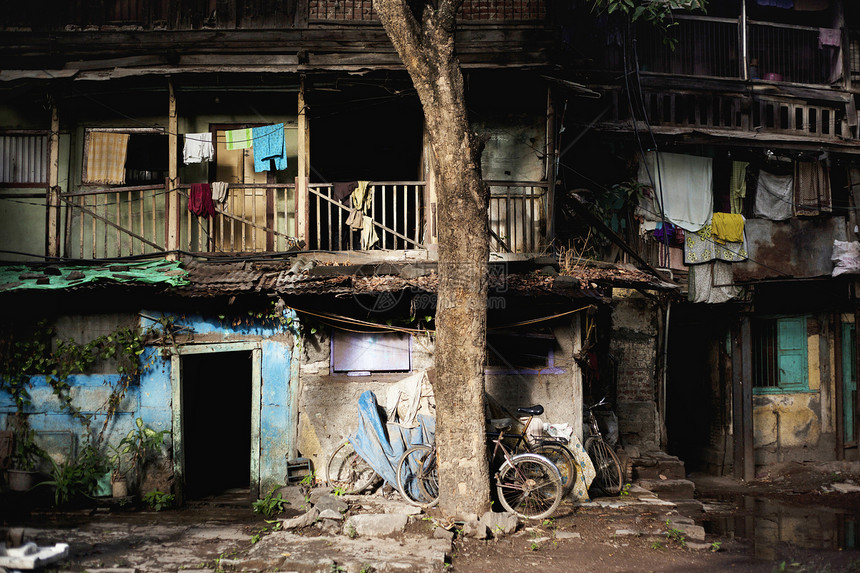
501, 423
536, 410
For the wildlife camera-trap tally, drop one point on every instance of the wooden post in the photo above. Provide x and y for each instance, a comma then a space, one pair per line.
303, 169
737, 408
838, 385
746, 400
172, 204
550, 163
53, 198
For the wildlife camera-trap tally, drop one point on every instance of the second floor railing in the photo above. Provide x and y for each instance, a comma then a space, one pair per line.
701, 46
255, 218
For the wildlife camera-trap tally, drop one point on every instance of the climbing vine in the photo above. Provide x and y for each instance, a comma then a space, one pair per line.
27, 354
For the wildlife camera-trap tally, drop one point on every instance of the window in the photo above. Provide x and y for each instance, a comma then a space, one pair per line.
366, 352
23, 160
779, 354
531, 352
119, 157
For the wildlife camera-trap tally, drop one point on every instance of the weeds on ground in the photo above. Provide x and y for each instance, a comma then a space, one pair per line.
675, 535
270, 505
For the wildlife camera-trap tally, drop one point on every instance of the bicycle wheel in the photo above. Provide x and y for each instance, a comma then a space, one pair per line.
529, 486
563, 459
349, 472
417, 476
607, 465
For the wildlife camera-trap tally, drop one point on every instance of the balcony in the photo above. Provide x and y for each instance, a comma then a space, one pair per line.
707, 47
262, 218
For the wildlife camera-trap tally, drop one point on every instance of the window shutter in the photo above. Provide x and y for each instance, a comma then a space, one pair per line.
791, 333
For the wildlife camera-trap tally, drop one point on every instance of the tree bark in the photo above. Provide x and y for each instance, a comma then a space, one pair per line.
426, 47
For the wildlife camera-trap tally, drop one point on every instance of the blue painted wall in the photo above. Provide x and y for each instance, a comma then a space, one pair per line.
151, 399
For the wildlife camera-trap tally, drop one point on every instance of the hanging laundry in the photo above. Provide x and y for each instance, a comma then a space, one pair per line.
738, 186
711, 283
773, 197
728, 228
341, 189
198, 148
700, 247
219, 192
786, 4
811, 5
106, 155
683, 185
269, 145
200, 200
238, 139
811, 188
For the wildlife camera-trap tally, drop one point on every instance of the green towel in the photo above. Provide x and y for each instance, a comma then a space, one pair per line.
239, 139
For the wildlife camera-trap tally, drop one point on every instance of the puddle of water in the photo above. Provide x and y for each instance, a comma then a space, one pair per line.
772, 525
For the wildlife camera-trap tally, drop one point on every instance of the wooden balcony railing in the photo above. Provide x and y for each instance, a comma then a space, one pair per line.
518, 216
396, 211
117, 222
702, 46
255, 218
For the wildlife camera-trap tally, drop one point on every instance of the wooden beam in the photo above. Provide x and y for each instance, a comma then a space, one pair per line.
172, 213
737, 405
53, 199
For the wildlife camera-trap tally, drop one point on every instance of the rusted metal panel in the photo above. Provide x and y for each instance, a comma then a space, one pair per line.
798, 248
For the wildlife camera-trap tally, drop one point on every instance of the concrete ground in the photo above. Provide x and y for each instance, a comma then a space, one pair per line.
360, 534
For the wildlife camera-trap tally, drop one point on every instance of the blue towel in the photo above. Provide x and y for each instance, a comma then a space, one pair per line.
269, 144
787, 4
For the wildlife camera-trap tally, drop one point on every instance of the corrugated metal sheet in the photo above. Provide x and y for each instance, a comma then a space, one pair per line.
24, 159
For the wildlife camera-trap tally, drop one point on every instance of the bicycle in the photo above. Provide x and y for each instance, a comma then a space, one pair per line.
417, 478
527, 484
609, 475
348, 472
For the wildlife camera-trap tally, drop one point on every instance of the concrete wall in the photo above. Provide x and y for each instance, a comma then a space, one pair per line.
800, 426
328, 408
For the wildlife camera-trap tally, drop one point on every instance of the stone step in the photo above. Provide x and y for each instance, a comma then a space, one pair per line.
672, 469
670, 489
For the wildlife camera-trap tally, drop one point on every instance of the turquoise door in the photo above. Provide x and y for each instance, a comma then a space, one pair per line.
849, 379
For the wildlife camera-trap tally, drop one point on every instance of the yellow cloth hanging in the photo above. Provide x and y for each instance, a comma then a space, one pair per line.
727, 228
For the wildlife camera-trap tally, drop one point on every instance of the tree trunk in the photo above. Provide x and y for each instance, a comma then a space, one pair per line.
427, 51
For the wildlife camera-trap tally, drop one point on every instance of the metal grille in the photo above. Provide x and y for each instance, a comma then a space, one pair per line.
23, 159
765, 354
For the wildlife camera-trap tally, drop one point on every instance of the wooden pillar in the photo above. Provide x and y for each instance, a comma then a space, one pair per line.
53, 198
172, 204
550, 163
838, 386
302, 211
743, 453
746, 400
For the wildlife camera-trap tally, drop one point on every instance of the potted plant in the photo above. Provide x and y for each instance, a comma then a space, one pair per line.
25, 457
130, 453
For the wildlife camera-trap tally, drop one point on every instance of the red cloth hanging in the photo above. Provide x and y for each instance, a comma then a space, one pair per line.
200, 202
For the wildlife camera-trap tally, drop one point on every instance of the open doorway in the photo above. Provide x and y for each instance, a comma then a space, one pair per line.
216, 427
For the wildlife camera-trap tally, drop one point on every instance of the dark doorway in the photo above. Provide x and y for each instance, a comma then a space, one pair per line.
216, 422
695, 393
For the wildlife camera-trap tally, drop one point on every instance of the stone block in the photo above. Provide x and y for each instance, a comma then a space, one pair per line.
331, 514
500, 523
475, 529
302, 520
442, 533
331, 502
375, 525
